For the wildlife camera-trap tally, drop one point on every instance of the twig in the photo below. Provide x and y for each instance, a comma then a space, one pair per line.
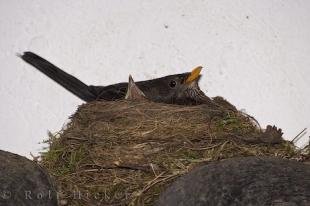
298, 136
204, 148
77, 138
154, 172
251, 117
34, 158
156, 180
115, 166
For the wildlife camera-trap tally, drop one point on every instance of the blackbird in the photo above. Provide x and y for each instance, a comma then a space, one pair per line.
173, 89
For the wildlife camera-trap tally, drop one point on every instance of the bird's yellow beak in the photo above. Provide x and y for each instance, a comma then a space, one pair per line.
193, 75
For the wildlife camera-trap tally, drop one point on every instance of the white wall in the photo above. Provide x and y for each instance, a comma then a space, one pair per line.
256, 54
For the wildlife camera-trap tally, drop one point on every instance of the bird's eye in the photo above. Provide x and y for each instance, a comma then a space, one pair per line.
172, 84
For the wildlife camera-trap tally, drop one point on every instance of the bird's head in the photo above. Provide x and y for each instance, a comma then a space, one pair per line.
176, 89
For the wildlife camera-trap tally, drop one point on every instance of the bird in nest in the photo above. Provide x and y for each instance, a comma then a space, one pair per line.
173, 89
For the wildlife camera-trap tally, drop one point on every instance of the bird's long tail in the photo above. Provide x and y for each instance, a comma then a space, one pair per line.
66, 80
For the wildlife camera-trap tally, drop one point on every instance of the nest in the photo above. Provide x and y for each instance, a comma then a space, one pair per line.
127, 152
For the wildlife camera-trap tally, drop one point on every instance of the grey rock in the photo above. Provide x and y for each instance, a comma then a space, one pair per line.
242, 181
23, 182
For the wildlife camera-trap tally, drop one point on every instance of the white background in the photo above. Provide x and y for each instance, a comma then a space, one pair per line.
255, 54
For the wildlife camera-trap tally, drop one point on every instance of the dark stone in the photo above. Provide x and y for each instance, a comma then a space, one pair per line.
24, 182
242, 181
